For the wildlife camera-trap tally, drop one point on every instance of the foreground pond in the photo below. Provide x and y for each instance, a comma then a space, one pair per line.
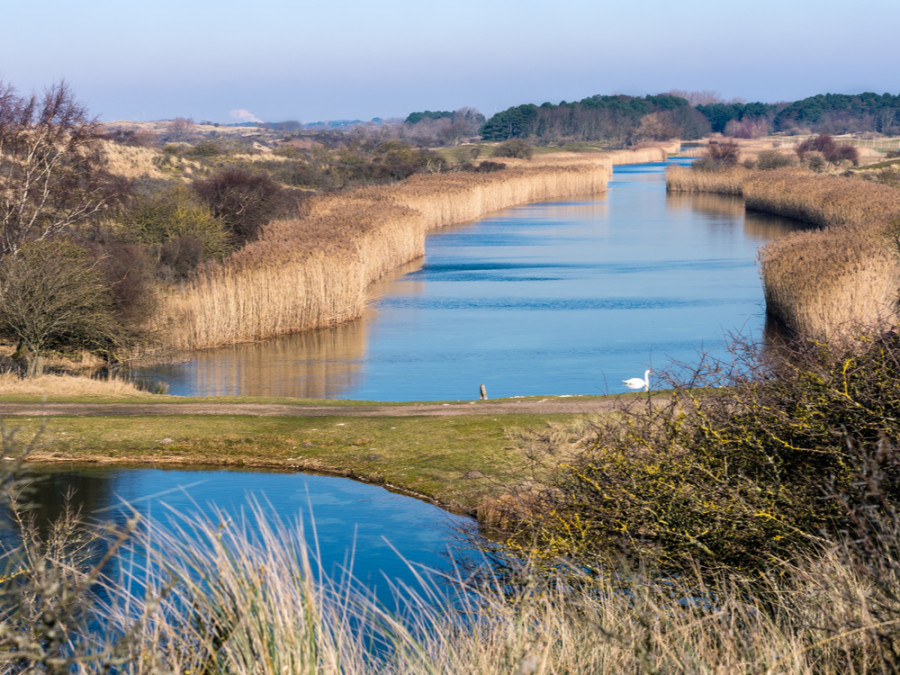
351, 523
550, 298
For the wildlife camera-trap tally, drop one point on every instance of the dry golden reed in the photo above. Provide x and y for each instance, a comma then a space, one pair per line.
726, 182
825, 283
821, 200
828, 283
67, 385
314, 271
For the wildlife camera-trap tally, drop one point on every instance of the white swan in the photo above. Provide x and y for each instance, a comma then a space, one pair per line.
638, 383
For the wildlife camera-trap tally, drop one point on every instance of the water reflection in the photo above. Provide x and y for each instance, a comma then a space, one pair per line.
550, 298
729, 209
376, 530
316, 364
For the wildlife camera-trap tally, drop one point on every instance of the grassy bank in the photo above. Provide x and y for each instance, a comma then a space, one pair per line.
314, 271
249, 597
460, 463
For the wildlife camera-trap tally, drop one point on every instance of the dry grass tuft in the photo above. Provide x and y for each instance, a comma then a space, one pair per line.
223, 598
66, 385
132, 161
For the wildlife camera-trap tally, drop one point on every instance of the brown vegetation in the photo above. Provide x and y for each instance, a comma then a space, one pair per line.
821, 200
67, 385
827, 283
823, 283
314, 271
726, 182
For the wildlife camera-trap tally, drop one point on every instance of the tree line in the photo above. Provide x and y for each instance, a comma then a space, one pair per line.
624, 120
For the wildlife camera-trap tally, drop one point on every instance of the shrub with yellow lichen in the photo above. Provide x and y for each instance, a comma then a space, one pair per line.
731, 477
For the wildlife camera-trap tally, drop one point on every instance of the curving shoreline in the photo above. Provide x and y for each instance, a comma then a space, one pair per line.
314, 271
826, 283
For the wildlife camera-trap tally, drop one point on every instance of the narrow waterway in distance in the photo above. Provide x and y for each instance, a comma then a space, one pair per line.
550, 298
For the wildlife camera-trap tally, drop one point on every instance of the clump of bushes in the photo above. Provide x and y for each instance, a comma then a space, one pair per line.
718, 157
179, 228
772, 159
241, 200
515, 148
772, 464
488, 166
830, 151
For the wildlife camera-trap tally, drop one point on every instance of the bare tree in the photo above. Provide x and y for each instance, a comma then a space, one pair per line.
695, 98
52, 173
180, 129
53, 295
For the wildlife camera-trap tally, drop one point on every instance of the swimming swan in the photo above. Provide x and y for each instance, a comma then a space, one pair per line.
638, 383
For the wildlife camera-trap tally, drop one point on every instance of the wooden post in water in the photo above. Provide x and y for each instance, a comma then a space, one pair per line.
483, 393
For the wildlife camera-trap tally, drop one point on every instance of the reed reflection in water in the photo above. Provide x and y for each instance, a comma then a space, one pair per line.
727, 209
566, 297
316, 364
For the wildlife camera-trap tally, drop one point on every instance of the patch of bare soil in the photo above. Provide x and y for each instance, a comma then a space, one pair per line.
550, 405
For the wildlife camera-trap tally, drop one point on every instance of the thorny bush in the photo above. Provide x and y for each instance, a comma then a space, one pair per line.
732, 476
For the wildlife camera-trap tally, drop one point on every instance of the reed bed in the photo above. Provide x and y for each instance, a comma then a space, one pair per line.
822, 283
821, 200
827, 283
314, 271
726, 182
250, 597
302, 274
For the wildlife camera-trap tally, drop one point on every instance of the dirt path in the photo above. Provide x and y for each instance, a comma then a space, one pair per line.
530, 406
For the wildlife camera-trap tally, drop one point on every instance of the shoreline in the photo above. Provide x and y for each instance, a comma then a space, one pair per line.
315, 271
460, 456
826, 283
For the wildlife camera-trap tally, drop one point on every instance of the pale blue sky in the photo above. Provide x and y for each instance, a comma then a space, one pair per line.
349, 59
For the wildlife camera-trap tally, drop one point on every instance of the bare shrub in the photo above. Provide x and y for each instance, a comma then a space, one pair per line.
488, 166
52, 295
719, 156
833, 153
128, 270
179, 130
52, 173
731, 479
242, 200
179, 256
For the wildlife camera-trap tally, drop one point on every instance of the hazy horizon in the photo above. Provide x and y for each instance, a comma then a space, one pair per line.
276, 60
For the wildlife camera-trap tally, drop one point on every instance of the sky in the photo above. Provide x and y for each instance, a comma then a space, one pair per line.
277, 60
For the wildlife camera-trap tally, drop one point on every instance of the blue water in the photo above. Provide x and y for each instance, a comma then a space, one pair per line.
352, 524
550, 298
